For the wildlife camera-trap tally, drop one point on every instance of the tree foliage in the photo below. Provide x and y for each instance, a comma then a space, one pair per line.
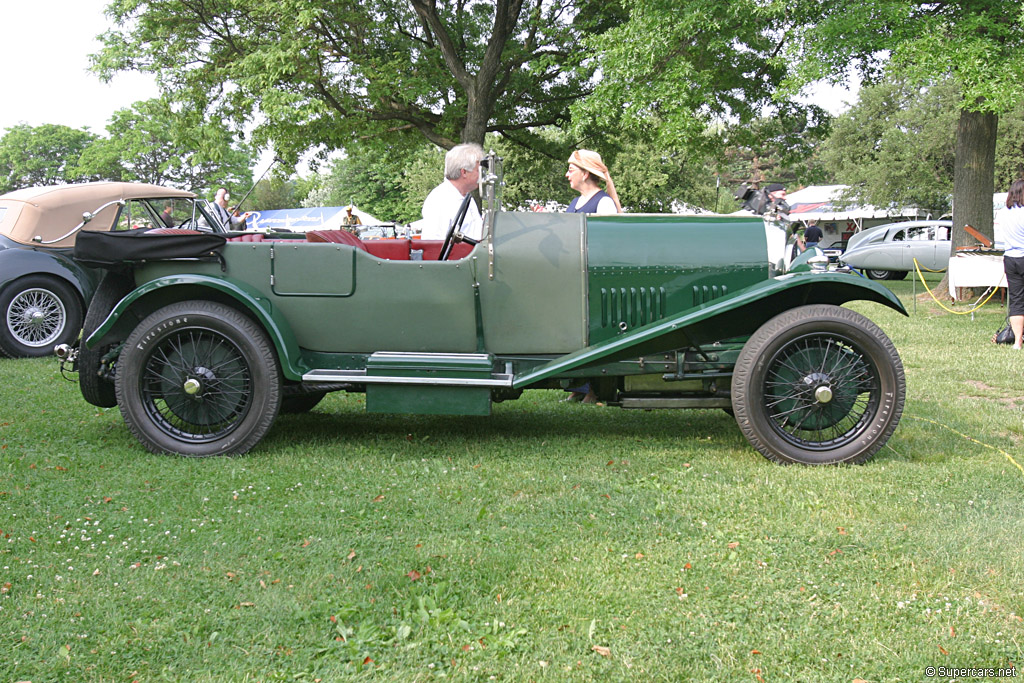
43, 155
336, 75
390, 184
689, 67
975, 43
152, 142
896, 145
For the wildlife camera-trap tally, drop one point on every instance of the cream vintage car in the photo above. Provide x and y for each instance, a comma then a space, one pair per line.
43, 291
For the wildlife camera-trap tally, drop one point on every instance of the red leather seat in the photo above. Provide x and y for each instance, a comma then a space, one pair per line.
248, 237
432, 249
335, 237
390, 249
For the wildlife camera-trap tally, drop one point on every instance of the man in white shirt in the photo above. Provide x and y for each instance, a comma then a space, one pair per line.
462, 173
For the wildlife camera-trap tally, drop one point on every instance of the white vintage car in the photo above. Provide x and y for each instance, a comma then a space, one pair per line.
887, 252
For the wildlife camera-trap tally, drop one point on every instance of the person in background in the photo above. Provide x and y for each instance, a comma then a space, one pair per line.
585, 169
777, 199
166, 217
1013, 258
223, 215
461, 176
351, 221
812, 235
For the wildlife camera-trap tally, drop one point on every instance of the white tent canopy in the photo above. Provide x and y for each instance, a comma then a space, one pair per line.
822, 203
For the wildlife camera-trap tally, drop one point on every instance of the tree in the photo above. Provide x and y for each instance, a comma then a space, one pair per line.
698, 80
689, 67
975, 43
42, 155
152, 142
390, 184
895, 145
333, 75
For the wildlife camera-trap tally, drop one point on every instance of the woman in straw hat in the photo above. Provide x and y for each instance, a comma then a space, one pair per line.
585, 169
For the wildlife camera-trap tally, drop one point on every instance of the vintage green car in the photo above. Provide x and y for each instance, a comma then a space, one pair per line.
202, 347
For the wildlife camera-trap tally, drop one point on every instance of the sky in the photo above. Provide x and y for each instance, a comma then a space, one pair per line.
45, 52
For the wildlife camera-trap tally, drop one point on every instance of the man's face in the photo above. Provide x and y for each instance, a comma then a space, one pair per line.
474, 175
777, 194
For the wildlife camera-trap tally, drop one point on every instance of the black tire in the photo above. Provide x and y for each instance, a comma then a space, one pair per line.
39, 312
301, 403
882, 274
198, 378
898, 274
818, 385
95, 380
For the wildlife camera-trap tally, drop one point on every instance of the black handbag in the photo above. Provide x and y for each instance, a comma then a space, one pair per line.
1005, 335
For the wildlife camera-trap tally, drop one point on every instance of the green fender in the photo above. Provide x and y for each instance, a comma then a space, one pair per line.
169, 289
737, 316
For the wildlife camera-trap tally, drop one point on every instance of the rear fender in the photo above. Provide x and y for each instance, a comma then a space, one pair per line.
737, 316
17, 263
160, 292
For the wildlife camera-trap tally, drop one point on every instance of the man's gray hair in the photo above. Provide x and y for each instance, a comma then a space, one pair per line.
464, 157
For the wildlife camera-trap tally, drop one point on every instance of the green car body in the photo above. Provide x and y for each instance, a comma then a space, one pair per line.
654, 311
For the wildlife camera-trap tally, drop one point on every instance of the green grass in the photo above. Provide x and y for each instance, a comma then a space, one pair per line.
358, 546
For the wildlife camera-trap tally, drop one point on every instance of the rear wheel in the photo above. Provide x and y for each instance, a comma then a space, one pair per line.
818, 385
95, 378
39, 312
198, 378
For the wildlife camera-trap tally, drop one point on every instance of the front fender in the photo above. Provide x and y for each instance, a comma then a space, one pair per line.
162, 291
738, 315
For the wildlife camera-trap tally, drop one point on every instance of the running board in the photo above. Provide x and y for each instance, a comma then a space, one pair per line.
647, 403
422, 369
360, 377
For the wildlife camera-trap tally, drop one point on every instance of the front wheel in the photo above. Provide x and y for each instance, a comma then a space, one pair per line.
39, 313
886, 274
818, 385
198, 378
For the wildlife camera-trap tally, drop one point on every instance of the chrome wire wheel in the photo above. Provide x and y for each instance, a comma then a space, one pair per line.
820, 392
36, 317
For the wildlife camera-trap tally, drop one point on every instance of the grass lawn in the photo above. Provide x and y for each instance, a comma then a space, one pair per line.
547, 542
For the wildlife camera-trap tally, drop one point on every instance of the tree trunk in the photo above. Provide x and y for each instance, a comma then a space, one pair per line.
973, 180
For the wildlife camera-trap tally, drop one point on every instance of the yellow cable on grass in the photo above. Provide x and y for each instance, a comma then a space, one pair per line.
970, 438
917, 266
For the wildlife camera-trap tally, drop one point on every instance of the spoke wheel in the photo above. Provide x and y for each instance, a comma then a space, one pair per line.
818, 385
198, 378
39, 313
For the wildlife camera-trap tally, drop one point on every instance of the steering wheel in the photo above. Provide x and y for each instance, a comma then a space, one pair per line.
450, 239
